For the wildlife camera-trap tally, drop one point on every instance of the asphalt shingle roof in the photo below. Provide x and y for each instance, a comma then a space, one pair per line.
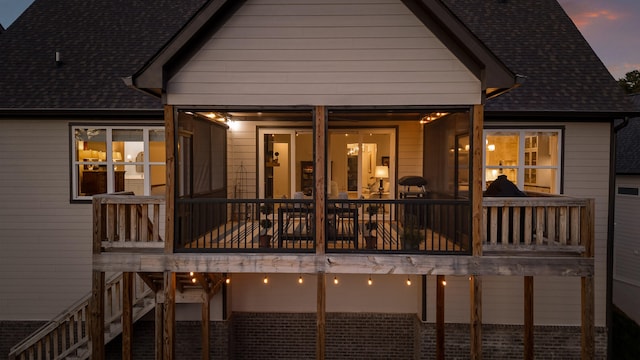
628, 145
537, 39
102, 41
99, 42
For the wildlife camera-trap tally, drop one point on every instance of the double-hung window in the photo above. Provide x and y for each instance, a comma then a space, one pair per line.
109, 159
530, 158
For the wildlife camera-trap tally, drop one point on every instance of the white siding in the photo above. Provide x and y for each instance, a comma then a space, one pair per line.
326, 52
387, 294
45, 242
626, 268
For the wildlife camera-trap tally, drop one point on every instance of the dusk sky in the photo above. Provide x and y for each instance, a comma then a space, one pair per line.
612, 27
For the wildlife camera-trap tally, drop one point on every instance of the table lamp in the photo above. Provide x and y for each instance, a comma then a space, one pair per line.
382, 172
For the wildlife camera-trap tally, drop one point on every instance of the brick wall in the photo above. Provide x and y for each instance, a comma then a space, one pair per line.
12, 332
506, 342
348, 336
187, 342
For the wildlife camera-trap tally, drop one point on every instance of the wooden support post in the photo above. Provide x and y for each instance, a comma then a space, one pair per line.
169, 315
319, 194
96, 303
476, 173
528, 318
588, 311
320, 327
320, 176
476, 230
170, 146
127, 314
587, 283
476, 317
96, 318
440, 317
159, 327
206, 306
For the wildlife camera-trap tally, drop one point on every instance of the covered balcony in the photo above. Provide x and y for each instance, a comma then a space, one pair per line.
390, 182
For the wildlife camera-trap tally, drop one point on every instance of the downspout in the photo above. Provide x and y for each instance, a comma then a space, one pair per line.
610, 234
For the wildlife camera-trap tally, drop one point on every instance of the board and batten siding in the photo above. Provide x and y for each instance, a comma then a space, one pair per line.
45, 242
323, 53
626, 268
556, 299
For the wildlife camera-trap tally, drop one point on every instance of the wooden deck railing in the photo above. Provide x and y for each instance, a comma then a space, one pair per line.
426, 226
551, 224
554, 224
129, 221
66, 336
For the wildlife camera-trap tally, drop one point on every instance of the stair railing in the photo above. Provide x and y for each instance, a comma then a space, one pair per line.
67, 333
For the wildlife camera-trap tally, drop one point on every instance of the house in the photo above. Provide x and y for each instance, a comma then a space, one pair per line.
303, 122
625, 272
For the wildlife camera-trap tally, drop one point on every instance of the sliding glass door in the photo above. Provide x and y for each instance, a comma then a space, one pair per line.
361, 163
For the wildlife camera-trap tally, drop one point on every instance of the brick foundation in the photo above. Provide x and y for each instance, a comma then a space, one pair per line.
348, 336
506, 342
187, 342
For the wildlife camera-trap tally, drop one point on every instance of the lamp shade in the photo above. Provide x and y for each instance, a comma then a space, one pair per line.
382, 172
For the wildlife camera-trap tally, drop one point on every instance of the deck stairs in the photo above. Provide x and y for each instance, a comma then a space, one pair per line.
66, 336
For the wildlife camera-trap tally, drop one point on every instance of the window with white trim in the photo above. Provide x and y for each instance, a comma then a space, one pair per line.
530, 158
109, 159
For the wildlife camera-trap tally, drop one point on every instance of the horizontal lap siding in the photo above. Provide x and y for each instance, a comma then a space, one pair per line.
626, 271
329, 53
556, 299
45, 242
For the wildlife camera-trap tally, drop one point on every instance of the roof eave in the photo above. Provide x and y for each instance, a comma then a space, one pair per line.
465, 45
153, 75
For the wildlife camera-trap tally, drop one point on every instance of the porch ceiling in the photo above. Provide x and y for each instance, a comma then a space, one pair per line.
337, 115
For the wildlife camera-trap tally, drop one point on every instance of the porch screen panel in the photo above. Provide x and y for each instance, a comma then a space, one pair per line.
218, 163
201, 158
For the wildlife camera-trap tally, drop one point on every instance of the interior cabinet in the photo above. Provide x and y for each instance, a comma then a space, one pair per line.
95, 182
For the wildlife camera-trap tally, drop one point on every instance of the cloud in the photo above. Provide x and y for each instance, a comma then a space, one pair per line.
586, 13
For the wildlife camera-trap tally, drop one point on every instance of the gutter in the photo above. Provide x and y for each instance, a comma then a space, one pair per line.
518, 80
128, 81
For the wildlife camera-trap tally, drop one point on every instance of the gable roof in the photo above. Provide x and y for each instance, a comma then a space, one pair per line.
628, 145
537, 39
493, 74
99, 43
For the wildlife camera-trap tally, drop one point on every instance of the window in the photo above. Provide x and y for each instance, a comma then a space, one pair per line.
529, 158
110, 159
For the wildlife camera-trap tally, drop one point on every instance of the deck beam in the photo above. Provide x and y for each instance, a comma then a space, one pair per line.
399, 264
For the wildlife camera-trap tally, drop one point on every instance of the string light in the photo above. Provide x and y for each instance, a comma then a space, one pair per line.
193, 280
444, 282
370, 282
408, 281
227, 280
300, 281
265, 280
335, 280
191, 273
